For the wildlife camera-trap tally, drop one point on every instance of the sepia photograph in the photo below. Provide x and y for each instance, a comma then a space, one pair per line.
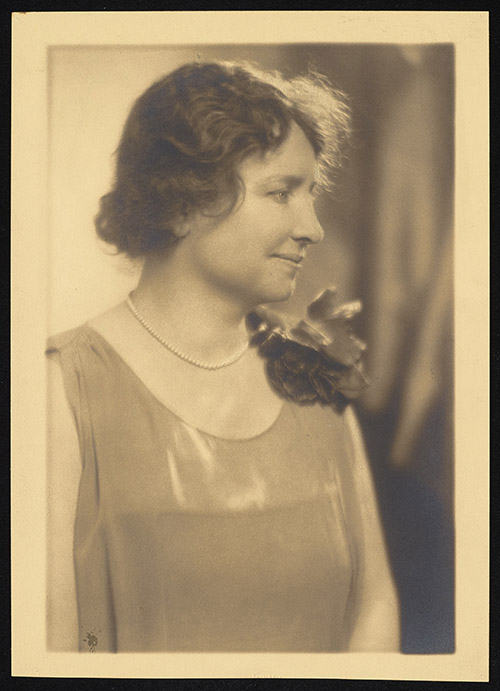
250, 348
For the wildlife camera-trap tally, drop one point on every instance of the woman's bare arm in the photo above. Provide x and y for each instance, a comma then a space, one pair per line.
378, 625
64, 468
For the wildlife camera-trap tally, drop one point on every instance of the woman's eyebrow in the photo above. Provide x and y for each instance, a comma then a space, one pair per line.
289, 181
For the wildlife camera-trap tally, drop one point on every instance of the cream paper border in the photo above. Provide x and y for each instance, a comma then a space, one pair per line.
33, 34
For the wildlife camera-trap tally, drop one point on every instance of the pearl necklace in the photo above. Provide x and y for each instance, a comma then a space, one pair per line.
176, 351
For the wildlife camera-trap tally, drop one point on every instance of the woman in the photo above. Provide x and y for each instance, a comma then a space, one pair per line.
208, 490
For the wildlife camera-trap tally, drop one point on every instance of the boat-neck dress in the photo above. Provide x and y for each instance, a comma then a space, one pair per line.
185, 541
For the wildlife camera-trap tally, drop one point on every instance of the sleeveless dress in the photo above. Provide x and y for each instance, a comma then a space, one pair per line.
185, 541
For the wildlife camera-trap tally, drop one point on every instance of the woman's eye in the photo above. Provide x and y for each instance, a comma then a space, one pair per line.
281, 196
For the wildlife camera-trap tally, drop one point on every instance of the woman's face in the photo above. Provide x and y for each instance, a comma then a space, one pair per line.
254, 254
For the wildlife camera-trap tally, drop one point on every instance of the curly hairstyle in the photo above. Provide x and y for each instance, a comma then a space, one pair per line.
186, 135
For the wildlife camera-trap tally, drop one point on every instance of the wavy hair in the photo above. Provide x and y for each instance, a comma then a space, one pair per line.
186, 135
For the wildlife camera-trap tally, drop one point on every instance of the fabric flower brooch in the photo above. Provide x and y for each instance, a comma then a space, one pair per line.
318, 359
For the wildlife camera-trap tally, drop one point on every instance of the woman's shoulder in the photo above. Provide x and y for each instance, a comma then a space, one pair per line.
322, 418
67, 340
83, 335
82, 354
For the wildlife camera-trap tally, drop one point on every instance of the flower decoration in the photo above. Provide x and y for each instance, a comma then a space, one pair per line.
318, 359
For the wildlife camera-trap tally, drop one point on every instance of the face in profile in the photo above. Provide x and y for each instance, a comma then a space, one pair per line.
255, 253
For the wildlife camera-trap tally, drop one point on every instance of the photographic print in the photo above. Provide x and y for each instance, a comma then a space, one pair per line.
251, 341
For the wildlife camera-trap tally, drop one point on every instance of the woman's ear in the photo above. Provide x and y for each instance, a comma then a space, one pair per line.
181, 227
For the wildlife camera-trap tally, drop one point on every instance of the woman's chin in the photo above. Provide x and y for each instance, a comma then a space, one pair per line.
280, 295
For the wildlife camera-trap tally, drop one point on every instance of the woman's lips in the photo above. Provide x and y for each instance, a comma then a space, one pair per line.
296, 259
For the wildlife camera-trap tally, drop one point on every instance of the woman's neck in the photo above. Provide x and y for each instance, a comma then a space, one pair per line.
188, 314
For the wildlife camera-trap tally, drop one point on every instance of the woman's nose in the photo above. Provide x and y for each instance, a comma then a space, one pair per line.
307, 227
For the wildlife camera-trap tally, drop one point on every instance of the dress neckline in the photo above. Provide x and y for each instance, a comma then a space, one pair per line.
92, 333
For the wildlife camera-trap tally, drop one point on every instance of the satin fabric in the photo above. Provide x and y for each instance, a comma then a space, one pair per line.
185, 541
